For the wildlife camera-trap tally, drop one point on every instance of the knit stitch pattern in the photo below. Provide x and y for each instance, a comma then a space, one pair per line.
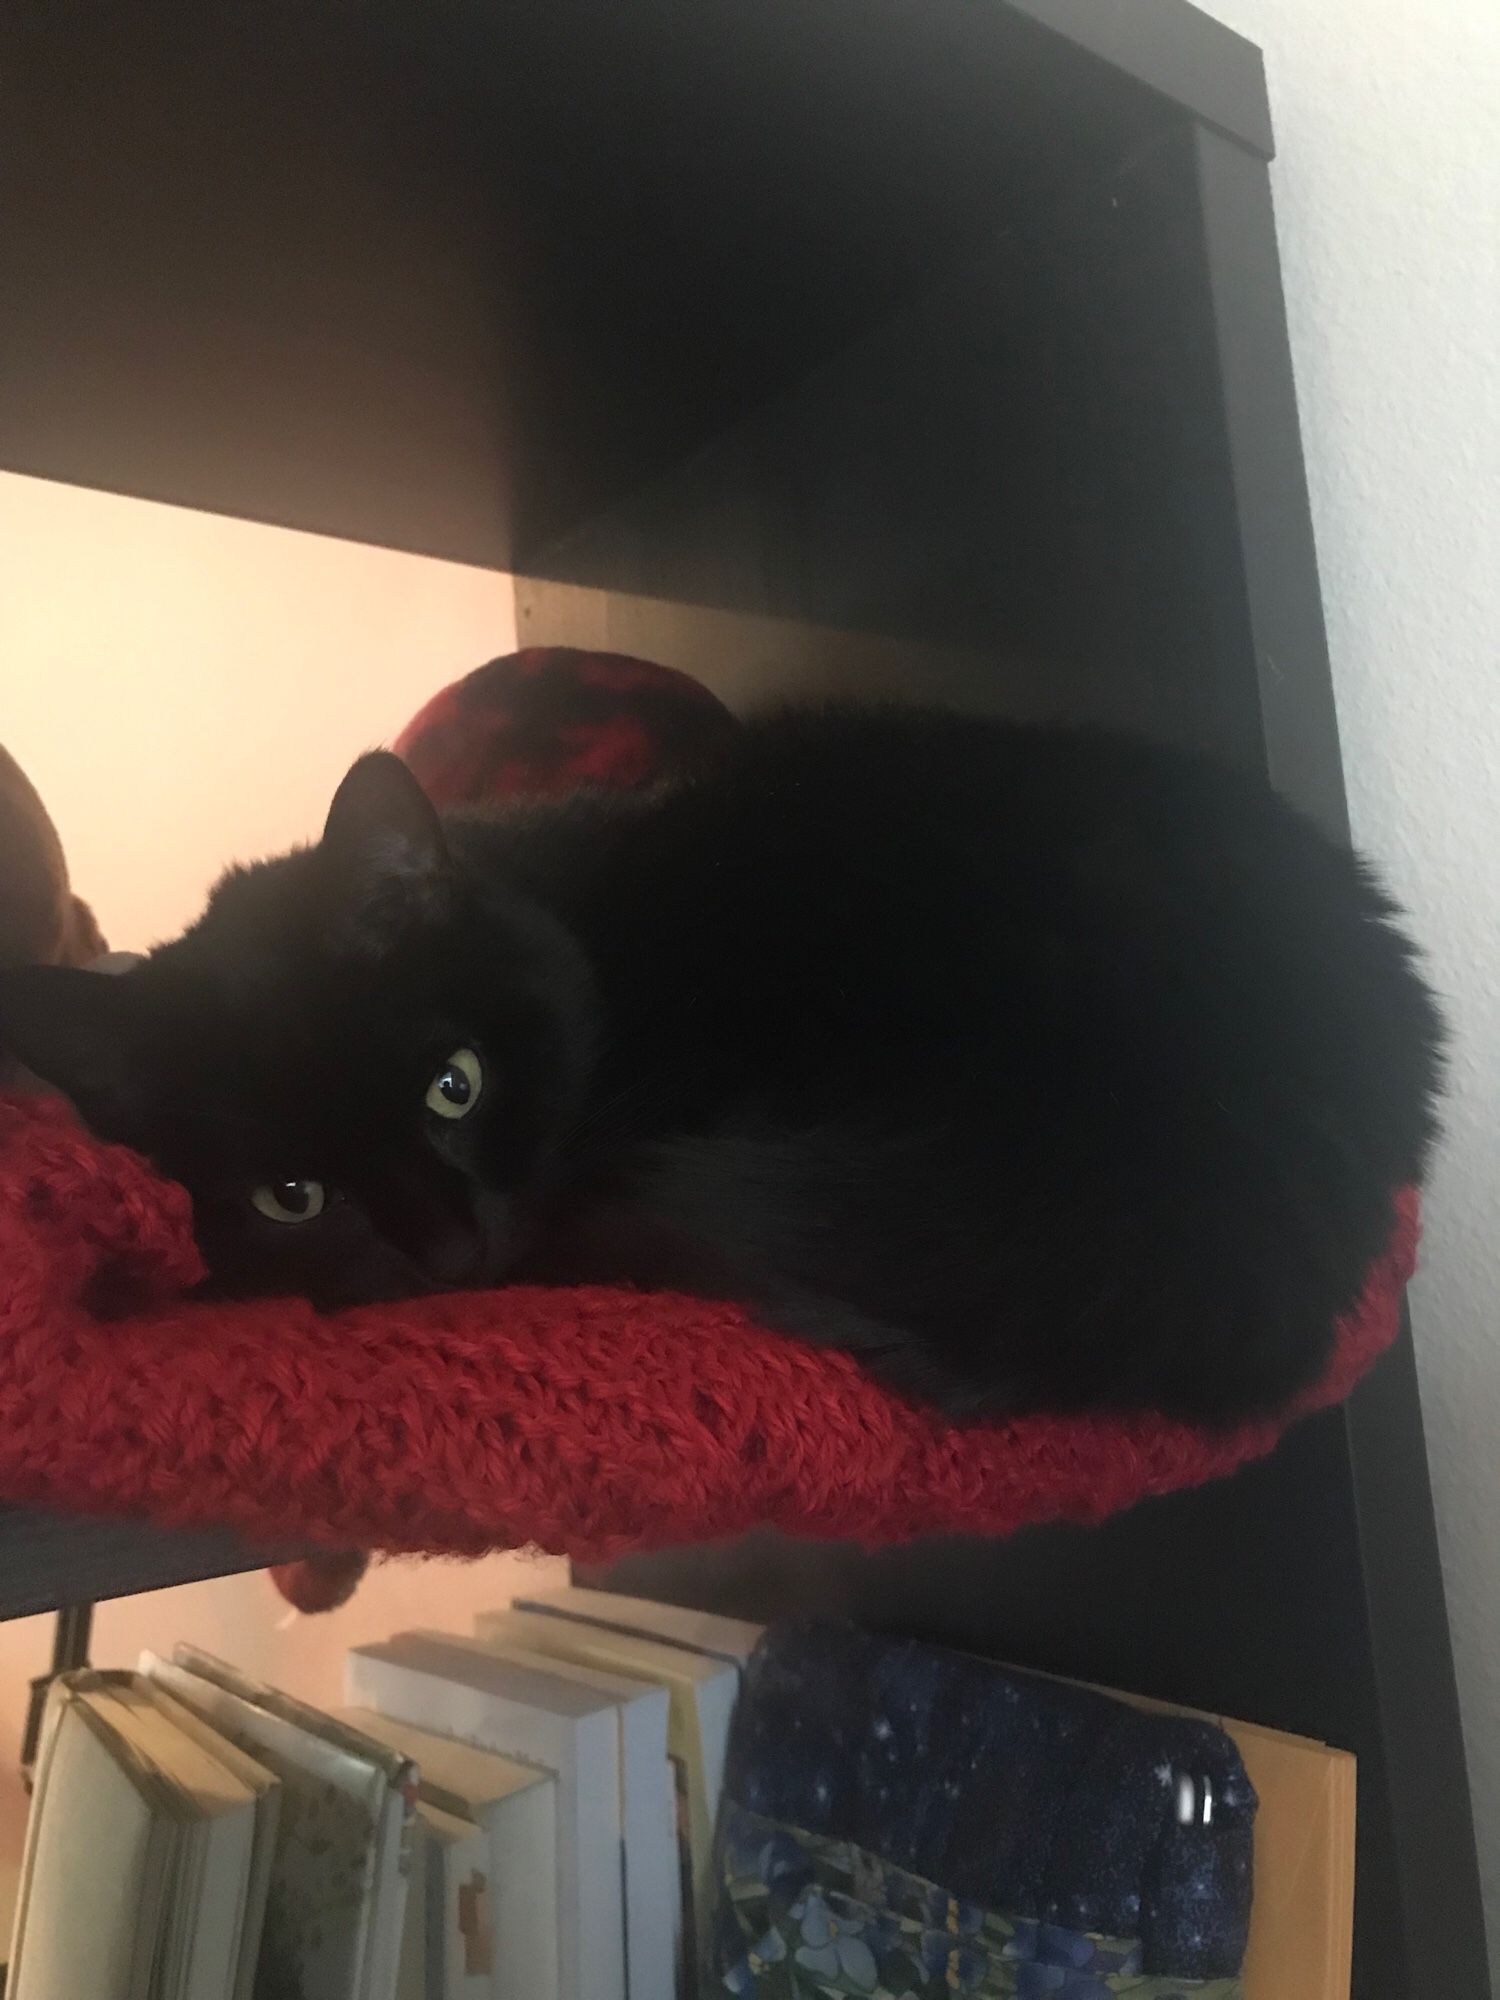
586, 1421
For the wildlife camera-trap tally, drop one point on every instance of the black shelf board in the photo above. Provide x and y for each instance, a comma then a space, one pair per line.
452, 278
50, 1560
1194, 61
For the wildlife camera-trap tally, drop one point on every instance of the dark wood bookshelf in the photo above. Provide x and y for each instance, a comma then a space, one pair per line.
958, 325
49, 1562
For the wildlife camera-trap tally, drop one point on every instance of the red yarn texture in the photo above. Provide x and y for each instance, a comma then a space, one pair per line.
587, 1422
551, 718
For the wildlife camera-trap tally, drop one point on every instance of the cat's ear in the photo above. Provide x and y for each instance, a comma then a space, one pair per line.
74, 1030
383, 843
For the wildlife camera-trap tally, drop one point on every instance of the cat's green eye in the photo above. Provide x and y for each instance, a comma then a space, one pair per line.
454, 1091
289, 1201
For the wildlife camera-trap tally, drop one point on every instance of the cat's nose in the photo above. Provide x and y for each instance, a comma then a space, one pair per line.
454, 1255
434, 1223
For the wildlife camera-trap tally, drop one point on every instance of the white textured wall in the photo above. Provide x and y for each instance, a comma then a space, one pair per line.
1387, 184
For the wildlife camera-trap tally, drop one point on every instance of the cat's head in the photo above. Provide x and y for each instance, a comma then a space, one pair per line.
360, 1061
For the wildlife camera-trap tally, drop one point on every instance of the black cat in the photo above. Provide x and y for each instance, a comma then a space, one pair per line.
1037, 1067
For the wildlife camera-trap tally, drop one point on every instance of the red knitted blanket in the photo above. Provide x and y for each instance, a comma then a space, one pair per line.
587, 1422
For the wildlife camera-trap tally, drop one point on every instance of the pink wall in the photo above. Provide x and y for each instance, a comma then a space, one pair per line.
184, 690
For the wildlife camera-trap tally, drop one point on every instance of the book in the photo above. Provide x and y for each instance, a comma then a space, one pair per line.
512, 1919
648, 1814
701, 1694
218, 1933
390, 1854
93, 1797
1301, 1944
445, 1946
265, 1789
1301, 1938
137, 1859
335, 1907
731, 1640
541, 1718
1301, 1941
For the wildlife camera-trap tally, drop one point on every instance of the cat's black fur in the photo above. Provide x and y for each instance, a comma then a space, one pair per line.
1037, 1067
